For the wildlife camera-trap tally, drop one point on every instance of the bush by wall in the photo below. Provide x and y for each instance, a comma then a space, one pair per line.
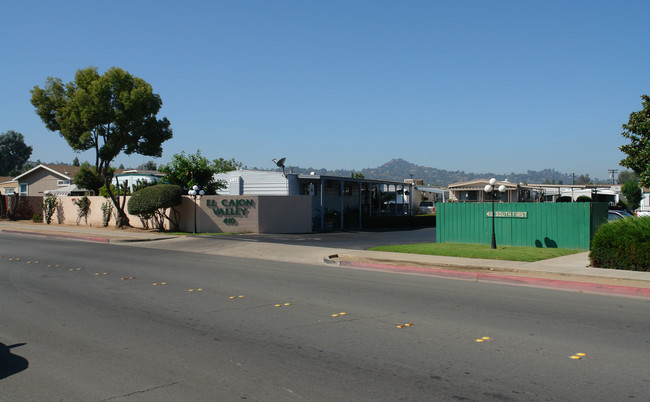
154, 200
622, 244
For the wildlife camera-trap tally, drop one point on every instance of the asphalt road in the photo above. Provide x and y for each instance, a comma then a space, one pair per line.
94, 322
354, 240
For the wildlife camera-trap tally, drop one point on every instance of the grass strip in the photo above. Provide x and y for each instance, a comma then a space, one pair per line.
509, 253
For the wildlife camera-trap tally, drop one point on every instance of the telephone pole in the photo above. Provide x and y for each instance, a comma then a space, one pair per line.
613, 172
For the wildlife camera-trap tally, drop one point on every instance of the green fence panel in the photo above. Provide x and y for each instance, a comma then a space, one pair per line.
564, 225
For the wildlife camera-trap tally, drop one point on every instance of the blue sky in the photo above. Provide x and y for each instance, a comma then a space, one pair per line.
500, 86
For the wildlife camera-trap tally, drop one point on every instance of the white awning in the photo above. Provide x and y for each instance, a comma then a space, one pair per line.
67, 190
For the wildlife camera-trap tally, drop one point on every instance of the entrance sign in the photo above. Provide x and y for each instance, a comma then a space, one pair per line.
508, 214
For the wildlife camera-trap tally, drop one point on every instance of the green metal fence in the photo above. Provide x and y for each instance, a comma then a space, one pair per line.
563, 225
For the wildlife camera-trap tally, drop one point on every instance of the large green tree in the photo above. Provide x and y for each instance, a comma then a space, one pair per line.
110, 113
637, 130
195, 169
13, 153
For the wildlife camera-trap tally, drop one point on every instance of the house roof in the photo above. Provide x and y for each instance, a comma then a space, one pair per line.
5, 179
65, 171
478, 185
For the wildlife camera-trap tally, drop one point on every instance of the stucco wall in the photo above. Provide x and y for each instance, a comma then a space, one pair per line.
248, 214
230, 214
67, 212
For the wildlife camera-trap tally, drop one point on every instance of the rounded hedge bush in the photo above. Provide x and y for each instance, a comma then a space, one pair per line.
150, 199
622, 244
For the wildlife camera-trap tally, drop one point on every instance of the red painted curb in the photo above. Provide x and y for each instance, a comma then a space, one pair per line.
510, 279
57, 235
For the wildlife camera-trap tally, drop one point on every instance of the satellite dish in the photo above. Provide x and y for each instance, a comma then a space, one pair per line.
280, 164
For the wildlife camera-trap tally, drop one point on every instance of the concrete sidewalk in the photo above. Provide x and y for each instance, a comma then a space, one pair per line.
570, 269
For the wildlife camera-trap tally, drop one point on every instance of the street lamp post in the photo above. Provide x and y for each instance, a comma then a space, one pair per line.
490, 188
194, 192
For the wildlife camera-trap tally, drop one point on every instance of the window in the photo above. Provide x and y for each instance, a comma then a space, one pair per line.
23, 188
62, 183
9, 190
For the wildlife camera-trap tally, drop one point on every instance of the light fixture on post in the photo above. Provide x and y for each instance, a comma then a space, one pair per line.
195, 192
491, 189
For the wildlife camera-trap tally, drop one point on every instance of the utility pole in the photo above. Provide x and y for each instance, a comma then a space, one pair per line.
613, 173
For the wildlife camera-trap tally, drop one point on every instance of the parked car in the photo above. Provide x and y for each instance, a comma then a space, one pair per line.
642, 213
615, 214
426, 207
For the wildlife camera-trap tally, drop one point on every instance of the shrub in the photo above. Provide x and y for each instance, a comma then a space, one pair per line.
37, 218
154, 201
49, 207
107, 210
584, 198
622, 244
83, 208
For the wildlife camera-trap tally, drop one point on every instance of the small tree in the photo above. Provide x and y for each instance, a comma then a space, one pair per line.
83, 208
637, 130
153, 202
107, 210
87, 178
633, 194
186, 171
50, 203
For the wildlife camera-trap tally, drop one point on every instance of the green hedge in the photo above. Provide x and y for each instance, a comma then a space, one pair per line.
150, 199
622, 244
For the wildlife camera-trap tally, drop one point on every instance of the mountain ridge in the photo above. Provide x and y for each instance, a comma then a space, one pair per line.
399, 169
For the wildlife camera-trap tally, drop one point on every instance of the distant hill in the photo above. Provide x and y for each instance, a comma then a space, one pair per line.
399, 169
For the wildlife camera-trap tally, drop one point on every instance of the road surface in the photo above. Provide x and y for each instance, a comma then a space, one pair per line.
103, 322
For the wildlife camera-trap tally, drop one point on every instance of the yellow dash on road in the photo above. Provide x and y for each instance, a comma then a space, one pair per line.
581, 354
335, 315
190, 290
233, 297
480, 340
155, 283
574, 357
278, 305
343, 313
487, 338
287, 304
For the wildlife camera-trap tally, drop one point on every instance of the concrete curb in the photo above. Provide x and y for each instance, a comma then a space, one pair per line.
58, 235
97, 239
576, 285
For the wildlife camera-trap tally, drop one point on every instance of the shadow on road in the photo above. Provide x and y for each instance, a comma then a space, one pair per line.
11, 364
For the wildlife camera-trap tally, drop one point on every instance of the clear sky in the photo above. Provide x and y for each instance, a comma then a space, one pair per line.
500, 86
